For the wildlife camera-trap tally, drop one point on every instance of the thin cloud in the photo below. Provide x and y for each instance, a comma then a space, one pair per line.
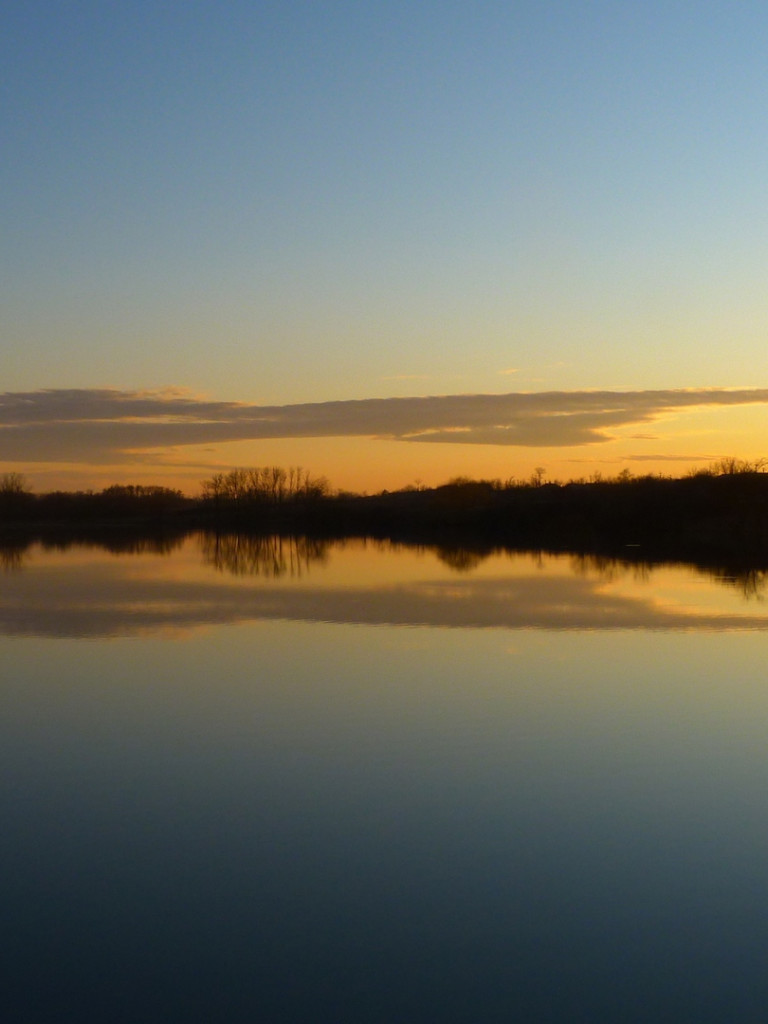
407, 376
669, 458
108, 426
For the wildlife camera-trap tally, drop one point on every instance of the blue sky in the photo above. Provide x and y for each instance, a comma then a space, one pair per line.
286, 203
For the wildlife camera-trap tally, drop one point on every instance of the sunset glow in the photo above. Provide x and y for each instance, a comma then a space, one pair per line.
390, 244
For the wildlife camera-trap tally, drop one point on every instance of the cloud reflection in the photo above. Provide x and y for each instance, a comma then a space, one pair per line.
115, 596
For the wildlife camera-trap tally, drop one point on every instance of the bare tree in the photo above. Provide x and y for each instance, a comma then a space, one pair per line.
13, 484
271, 485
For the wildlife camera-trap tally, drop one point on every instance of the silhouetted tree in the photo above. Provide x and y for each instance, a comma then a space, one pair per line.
15, 497
13, 484
263, 485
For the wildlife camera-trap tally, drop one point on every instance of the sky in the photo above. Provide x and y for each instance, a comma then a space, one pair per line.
392, 243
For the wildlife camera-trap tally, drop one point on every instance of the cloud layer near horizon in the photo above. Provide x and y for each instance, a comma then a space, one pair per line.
108, 426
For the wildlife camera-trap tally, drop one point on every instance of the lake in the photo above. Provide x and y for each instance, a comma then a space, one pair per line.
287, 780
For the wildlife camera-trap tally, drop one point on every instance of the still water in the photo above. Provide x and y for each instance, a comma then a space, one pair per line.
284, 781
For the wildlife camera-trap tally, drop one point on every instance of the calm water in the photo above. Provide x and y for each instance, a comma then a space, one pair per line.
253, 781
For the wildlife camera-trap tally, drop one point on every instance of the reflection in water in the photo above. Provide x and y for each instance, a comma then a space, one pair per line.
294, 557
750, 583
610, 569
244, 554
280, 820
13, 553
13, 556
461, 559
374, 583
120, 543
222, 808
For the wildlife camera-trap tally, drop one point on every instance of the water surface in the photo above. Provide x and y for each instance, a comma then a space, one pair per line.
288, 781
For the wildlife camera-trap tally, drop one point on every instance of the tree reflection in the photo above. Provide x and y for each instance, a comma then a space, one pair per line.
750, 583
117, 543
257, 555
461, 559
610, 568
13, 555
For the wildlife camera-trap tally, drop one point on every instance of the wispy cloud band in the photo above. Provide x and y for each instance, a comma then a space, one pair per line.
107, 426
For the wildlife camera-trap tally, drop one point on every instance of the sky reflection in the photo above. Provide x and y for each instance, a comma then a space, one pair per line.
279, 805
87, 591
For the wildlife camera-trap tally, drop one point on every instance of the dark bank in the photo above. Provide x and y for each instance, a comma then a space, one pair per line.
720, 513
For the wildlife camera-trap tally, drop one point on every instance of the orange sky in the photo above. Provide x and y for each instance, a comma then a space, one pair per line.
90, 439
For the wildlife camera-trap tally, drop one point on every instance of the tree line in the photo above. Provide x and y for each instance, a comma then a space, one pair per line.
272, 485
723, 508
